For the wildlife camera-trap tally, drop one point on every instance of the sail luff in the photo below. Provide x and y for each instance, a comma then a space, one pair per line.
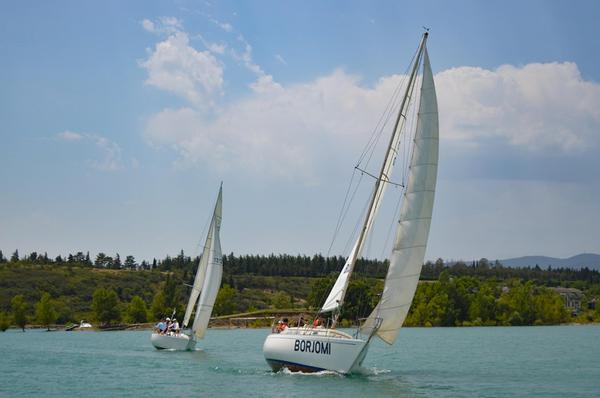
214, 272
198, 280
336, 296
415, 218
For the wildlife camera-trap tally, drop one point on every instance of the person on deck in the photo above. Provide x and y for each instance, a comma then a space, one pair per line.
161, 326
175, 326
277, 327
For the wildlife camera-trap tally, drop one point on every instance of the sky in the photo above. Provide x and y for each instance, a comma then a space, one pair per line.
119, 120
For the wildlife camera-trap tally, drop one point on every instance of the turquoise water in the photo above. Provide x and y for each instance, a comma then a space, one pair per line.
561, 361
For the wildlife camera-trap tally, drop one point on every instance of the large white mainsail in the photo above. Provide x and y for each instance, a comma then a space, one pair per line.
214, 271
335, 298
415, 219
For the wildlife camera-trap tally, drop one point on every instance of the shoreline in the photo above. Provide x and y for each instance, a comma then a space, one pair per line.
148, 327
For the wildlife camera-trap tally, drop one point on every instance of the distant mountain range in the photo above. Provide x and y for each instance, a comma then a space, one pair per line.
589, 260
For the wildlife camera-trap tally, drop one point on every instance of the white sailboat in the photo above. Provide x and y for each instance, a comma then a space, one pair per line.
204, 290
316, 348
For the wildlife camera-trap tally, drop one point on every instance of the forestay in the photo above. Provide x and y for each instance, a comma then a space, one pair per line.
214, 271
415, 219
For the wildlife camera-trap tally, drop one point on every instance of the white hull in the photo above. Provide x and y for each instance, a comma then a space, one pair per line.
180, 342
313, 350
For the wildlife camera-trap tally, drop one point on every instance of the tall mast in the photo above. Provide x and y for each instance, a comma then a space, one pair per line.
383, 174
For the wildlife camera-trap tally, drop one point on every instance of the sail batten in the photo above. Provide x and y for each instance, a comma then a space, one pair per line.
415, 219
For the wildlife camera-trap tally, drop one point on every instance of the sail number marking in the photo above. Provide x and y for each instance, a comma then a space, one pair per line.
317, 347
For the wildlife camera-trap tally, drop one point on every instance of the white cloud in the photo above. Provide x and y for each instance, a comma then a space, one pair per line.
177, 67
281, 131
111, 160
223, 25
68, 135
216, 48
290, 131
536, 106
280, 59
165, 25
246, 58
110, 150
148, 25
171, 22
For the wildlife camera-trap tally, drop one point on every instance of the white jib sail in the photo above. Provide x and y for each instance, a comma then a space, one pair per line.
214, 271
334, 300
415, 219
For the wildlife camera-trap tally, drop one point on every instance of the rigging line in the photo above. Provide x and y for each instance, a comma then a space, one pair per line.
357, 226
388, 112
349, 204
373, 145
385, 114
340, 216
385, 180
374, 139
391, 113
378, 189
399, 128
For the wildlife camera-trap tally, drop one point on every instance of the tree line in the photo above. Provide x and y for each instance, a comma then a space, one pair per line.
479, 293
312, 266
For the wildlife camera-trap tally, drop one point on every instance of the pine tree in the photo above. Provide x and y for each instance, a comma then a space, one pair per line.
130, 263
100, 260
15, 256
117, 263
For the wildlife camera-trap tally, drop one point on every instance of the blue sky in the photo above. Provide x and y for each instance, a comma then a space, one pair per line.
119, 120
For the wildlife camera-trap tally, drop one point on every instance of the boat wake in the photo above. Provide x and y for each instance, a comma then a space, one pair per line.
322, 373
371, 371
